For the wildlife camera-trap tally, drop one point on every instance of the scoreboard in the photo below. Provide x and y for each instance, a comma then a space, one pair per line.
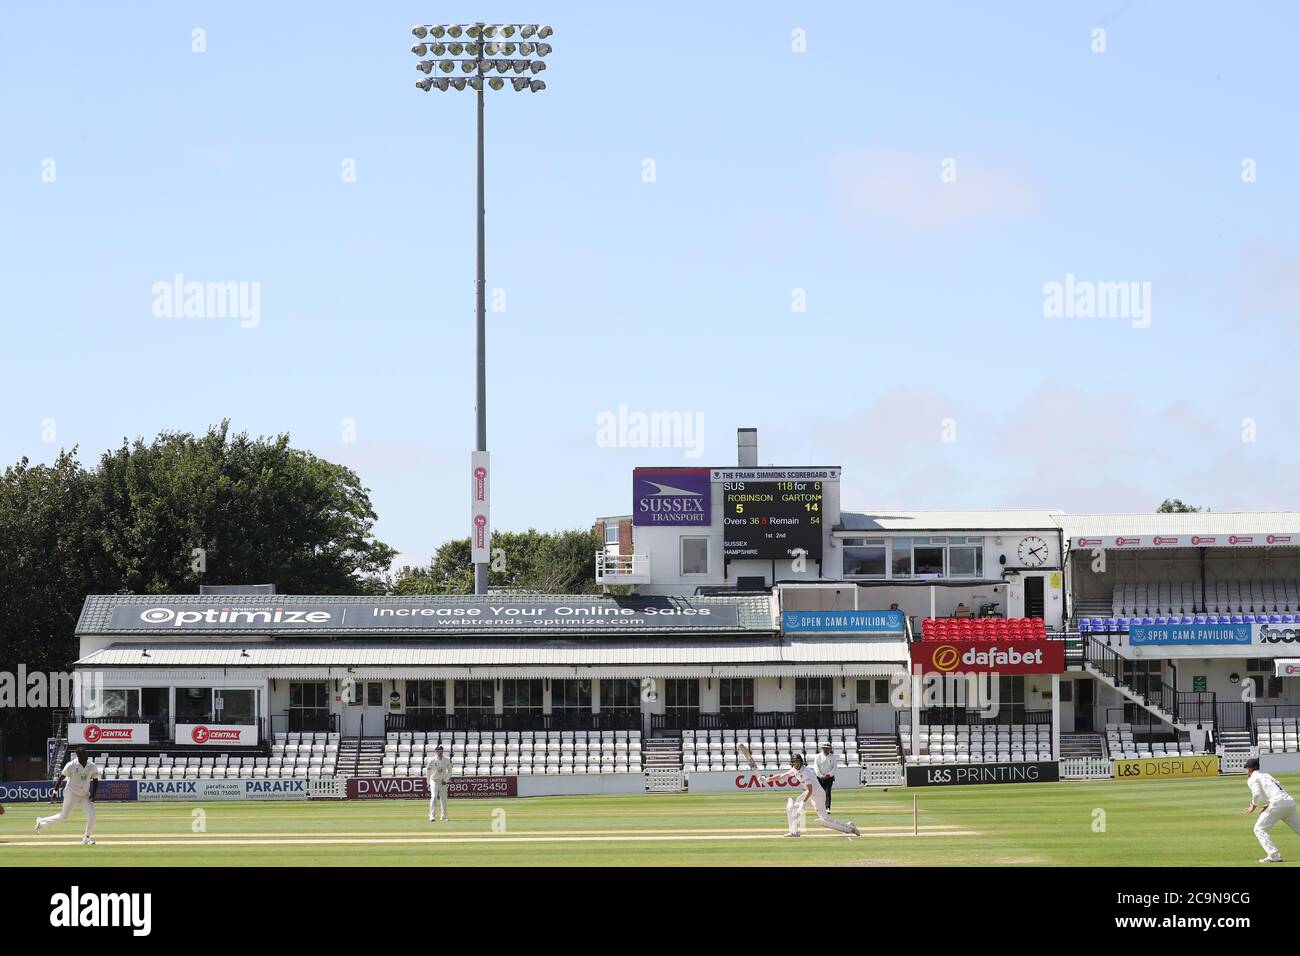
769, 519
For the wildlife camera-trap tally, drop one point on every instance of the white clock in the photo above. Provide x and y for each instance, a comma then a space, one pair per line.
1032, 552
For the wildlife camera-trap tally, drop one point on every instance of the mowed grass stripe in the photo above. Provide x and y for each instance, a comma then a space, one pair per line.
1172, 823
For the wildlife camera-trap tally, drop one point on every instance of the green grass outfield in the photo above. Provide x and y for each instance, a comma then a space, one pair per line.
1168, 824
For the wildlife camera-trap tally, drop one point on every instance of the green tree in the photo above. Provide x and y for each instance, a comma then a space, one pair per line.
536, 562
44, 578
1176, 506
259, 510
230, 509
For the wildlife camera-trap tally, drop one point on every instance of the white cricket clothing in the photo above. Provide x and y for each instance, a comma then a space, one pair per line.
1266, 791
70, 802
78, 777
824, 764
804, 778
437, 772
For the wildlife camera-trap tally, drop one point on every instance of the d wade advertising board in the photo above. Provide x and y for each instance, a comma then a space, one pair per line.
966, 774
411, 788
1038, 656
672, 497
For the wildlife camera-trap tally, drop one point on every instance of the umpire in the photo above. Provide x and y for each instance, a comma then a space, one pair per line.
824, 765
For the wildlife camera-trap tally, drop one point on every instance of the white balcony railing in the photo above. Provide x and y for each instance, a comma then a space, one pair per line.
622, 568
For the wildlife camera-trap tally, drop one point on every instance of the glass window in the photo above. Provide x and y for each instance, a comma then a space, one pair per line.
814, 693
193, 705
521, 696
475, 695
695, 555
965, 561
736, 695
374, 694
620, 697
570, 695
117, 703
882, 690
866, 560
237, 706
426, 695
863, 690
611, 534
928, 560
901, 566
302, 695
681, 694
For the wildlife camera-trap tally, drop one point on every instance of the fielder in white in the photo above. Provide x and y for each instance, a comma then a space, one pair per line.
811, 792
79, 780
437, 770
1273, 804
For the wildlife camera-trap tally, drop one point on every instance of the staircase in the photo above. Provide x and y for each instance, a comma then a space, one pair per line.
1082, 745
1236, 741
878, 748
1181, 709
664, 753
364, 758
1099, 608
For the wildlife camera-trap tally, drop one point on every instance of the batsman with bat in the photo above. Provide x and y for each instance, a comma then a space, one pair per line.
810, 792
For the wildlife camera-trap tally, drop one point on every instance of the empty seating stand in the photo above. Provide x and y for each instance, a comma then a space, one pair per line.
292, 755
771, 749
509, 753
1164, 598
982, 628
1277, 735
1120, 743
977, 743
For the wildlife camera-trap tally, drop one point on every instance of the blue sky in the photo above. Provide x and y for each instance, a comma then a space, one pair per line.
775, 170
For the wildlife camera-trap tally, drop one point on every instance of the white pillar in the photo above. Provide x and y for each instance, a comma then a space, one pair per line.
1056, 716
916, 713
931, 600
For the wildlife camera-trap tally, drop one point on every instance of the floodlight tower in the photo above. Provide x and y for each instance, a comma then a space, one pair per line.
485, 54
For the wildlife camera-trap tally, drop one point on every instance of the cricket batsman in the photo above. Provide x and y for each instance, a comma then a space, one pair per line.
811, 792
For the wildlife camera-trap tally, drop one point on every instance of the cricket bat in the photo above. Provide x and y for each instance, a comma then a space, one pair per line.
746, 756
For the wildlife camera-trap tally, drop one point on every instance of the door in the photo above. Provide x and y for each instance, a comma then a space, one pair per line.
1083, 704
875, 712
363, 699
1034, 596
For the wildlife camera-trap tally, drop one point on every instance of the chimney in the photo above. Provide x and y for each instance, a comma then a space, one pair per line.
747, 447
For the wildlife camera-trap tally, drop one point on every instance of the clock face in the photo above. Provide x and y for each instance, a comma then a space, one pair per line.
1032, 552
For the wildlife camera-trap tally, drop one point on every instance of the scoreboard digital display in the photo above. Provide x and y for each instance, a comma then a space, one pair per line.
770, 519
